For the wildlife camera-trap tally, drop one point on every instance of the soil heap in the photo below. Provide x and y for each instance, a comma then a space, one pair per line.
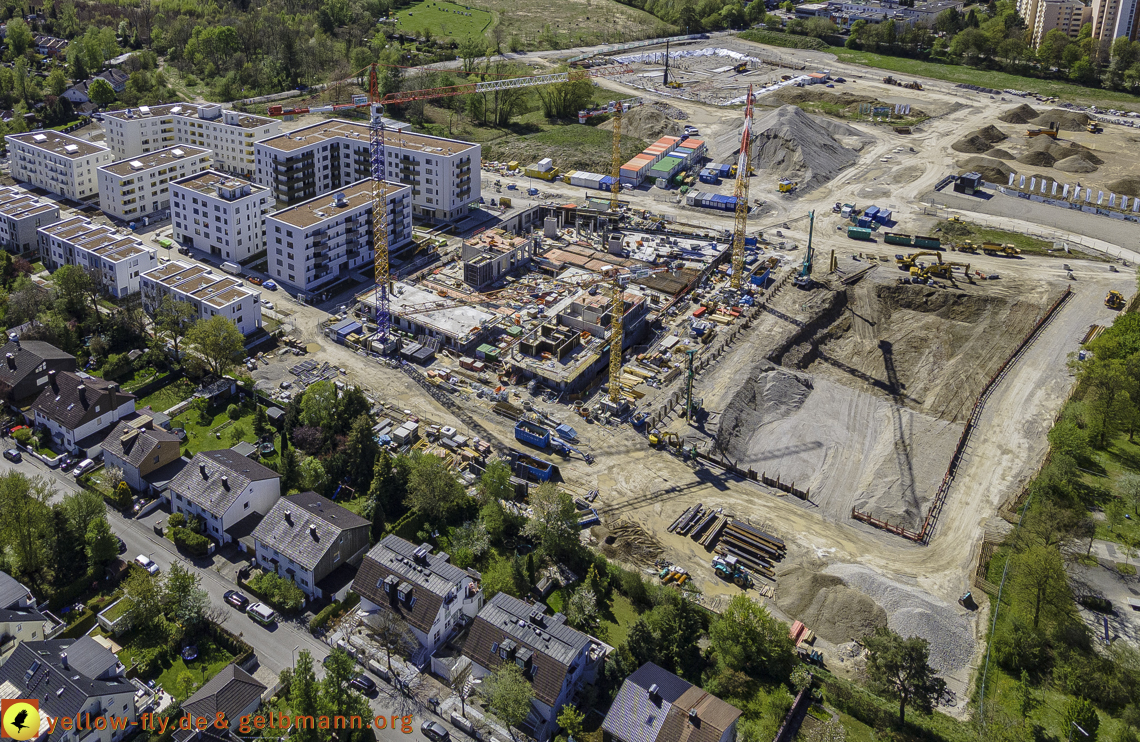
992, 171
1022, 114
646, 122
979, 140
1075, 164
1065, 120
1129, 186
1000, 154
834, 611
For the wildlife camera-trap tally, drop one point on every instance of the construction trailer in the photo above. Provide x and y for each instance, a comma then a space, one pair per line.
860, 233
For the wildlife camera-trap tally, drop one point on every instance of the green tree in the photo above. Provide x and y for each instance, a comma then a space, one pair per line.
82, 508
1026, 696
146, 594
495, 483
18, 37
122, 496
582, 613
260, 422
172, 319
319, 405
26, 524
1040, 583
1107, 382
340, 668
69, 559
305, 698
186, 684
57, 82
748, 639
555, 522
217, 341
494, 517
642, 643
312, 475
182, 594
499, 578
900, 669
1129, 486
102, 546
72, 285
508, 694
101, 93
1082, 713
571, 721
433, 489
1114, 513
361, 450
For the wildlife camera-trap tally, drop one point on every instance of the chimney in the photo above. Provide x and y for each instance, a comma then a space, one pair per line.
313, 531
693, 718
289, 517
14, 338
11, 360
225, 482
63, 660
82, 393
202, 468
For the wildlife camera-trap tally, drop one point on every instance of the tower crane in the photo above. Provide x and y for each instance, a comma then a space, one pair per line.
375, 103
743, 167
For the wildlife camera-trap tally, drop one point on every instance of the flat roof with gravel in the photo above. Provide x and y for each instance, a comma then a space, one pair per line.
340, 129
168, 156
318, 209
57, 143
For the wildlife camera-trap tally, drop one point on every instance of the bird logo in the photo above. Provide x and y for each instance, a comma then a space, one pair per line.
19, 718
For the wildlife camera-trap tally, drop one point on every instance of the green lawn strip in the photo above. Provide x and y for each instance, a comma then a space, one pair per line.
117, 610
355, 505
1049, 714
1068, 92
1117, 460
443, 19
199, 438
211, 659
163, 399
616, 618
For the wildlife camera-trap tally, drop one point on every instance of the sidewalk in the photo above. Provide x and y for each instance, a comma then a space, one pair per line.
1106, 550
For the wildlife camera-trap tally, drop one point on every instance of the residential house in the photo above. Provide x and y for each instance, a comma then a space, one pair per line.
70, 677
117, 79
113, 258
26, 366
305, 537
229, 695
224, 488
654, 705
140, 448
557, 660
49, 45
433, 597
21, 214
210, 293
19, 619
78, 408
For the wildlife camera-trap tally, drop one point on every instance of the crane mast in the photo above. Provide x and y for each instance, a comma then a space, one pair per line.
741, 194
615, 165
379, 207
616, 332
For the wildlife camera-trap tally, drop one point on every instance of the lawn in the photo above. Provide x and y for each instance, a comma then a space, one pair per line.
1002, 689
1068, 92
443, 20
1120, 458
617, 617
211, 659
200, 438
117, 610
168, 396
571, 23
976, 234
572, 147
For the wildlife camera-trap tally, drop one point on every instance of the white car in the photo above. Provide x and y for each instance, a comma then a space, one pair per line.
261, 613
146, 563
81, 467
267, 304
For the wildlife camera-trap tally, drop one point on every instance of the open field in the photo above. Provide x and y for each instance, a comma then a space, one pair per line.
573, 147
571, 23
443, 20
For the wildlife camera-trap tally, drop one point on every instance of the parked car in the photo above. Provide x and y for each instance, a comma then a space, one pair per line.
146, 563
82, 467
66, 463
267, 304
262, 613
363, 683
435, 731
270, 285
236, 599
122, 545
13, 455
254, 280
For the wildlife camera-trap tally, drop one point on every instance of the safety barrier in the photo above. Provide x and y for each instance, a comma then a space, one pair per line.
923, 536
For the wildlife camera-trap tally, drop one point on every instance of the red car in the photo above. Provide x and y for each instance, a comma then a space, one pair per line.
12, 430
254, 280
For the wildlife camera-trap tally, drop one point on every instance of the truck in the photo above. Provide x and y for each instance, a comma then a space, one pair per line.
532, 434
232, 268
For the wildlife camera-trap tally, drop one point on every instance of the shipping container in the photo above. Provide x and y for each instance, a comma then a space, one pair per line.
709, 176
532, 434
896, 238
871, 211
928, 242
859, 233
884, 216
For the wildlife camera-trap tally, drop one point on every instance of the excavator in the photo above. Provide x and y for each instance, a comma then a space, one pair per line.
906, 262
658, 439
1114, 300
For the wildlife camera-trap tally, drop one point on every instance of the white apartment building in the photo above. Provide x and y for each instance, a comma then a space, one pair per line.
325, 157
21, 214
58, 163
112, 257
132, 189
209, 293
316, 242
229, 134
219, 214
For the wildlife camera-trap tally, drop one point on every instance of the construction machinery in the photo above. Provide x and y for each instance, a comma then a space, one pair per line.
786, 186
740, 68
803, 280
740, 191
967, 247
729, 569
1114, 300
1052, 132
995, 248
906, 262
939, 270
1092, 127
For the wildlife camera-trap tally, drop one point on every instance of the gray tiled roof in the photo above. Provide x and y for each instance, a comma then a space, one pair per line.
229, 692
11, 591
507, 612
214, 479
638, 716
135, 450
431, 576
62, 402
90, 657
303, 527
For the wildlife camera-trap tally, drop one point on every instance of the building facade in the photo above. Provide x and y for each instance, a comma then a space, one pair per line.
219, 214
138, 448
223, 488
1112, 19
325, 157
74, 408
56, 162
115, 259
21, 214
25, 369
132, 189
1043, 16
209, 293
314, 243
229, 135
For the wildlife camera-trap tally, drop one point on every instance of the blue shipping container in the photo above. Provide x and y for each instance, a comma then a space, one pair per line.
871, 211
883, 216
863, 222
607, 181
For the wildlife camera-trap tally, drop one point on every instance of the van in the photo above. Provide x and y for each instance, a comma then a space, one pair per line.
262, 613
232, 268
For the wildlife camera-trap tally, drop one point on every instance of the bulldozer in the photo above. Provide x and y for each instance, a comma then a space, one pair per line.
1093, 128
1114, 300
728, 569
906, 262
968, 247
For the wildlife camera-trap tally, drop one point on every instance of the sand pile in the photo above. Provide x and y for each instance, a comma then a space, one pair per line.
992, 171
646, 122
1022, 114
1129, 186
1075, 164
1037, 158
1000, 154
1065, 120
992, 134
834, 611
971, 144
790, 143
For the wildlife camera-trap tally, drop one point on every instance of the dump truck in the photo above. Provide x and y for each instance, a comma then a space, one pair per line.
1114, 300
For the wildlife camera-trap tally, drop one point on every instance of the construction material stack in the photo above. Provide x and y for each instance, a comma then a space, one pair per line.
753, 548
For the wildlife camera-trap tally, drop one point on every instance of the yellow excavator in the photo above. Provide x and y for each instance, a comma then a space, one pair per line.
1114, 300
940, 270
906, 262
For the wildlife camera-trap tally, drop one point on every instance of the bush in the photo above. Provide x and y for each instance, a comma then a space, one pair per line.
278, 592
176, 520
194, 543
23, 435
118, 364
122, 495
233, 412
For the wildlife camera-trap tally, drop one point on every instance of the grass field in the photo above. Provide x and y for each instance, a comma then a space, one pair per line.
443, 20
779, 38
168, 396
199, 437
974, 233
987, 78
571, 23
572, 147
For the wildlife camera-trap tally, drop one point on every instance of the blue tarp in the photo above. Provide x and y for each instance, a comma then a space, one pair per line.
607, 181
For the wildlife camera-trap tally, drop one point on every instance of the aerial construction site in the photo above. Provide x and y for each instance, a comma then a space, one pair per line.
811, 339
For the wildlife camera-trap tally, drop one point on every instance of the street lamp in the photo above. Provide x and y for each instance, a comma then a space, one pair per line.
299, 646
1076, 726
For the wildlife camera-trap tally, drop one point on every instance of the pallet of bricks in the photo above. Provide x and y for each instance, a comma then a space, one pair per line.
755, 549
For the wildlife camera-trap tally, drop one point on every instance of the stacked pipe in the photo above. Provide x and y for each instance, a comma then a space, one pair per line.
713, 534
699, 528
685, 517
683, 529
757, 550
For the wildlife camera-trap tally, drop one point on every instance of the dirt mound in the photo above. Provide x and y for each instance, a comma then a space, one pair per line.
1065, 120
773, 394
791, 143
1129, 186
646, 122
834, 611
1000, 154
991, 134
1075, 164
1037, 158
971, 144
992, 171
1022, 114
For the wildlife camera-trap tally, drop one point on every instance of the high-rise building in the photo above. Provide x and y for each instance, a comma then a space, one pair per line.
59, 163
1112, 19
209, 293
1043, 16
220, 214
21, 214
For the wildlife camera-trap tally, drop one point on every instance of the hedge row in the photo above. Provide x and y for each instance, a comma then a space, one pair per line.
194, 543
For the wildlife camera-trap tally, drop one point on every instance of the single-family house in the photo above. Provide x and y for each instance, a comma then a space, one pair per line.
229, 695
19, 619
305, 537
224, 488
433, 597
139, 447
654, 705
78, 408
25, 369
116, 77
556, 660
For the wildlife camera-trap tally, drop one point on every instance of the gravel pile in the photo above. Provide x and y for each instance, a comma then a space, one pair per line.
671, 111
834, 611
1065, 120
913, 612
1000, 154
971, 144
1022, 114
992, 134
1037, 158
646, 122
1129, 186
1075, 164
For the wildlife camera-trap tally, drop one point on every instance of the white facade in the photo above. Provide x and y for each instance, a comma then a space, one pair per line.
219, 214
114, 258
258, 496
21, 214
58, 163
324, 157
209, 293
314, 243
229, 134
132, 189
109, 408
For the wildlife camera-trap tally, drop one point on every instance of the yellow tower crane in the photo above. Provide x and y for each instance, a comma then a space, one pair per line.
615, 166
743, 168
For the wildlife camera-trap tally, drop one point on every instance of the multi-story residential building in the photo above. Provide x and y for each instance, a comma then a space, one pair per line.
21, 214
219, 214
431, 596
209, 293
78, 410
324, 157
556, 660
132, 189
312, 244
1112, 19
1043, 16
229, 134
111, 257
61, 164
223, 488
